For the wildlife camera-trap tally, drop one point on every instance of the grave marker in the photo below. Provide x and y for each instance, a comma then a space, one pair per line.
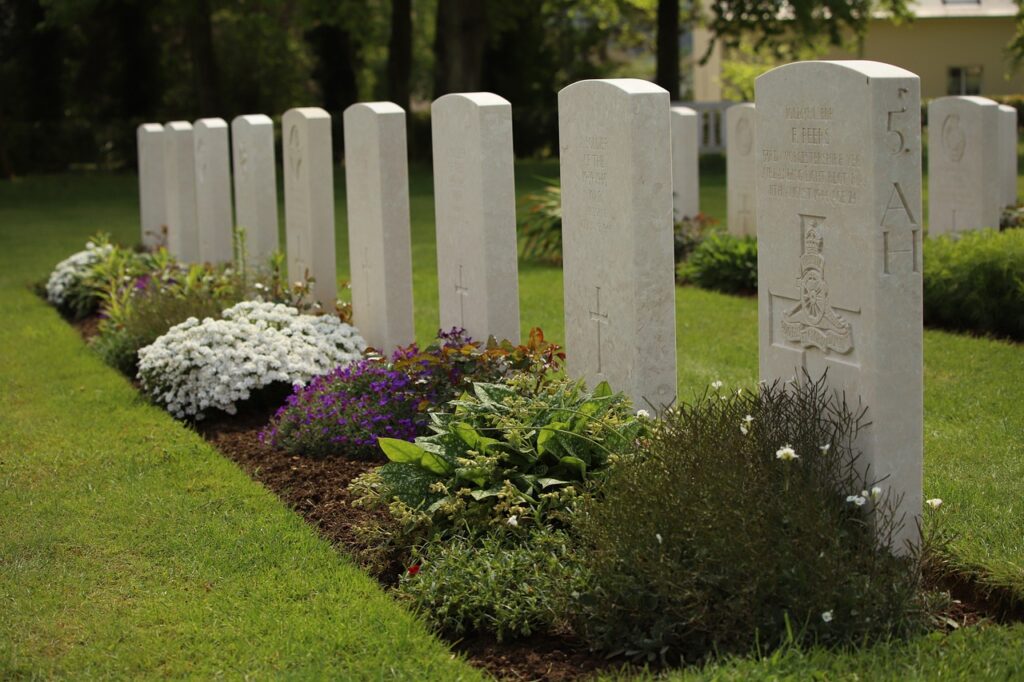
839, 251
617, 237
380, 255
685, 170
475, 207
213, 191
149, 139
1008, 152
741, 169
309, 201
255, 173
965, 169
180, 179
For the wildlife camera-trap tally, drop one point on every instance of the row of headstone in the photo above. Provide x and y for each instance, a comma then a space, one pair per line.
185, 187
972, 164
837, 186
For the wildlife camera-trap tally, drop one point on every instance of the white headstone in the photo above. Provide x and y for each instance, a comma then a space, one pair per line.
741, 169
839, 251
180, 179
475, 209
965, 186
377, 195
149, 139
1008, 150
255, 174
685, 170
620, 322
309, 201
213, 191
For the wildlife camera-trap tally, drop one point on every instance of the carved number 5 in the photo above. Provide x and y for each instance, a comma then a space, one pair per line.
899, 140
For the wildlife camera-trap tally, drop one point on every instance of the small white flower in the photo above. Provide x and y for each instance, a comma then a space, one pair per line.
827, 616
421, 381
657, 536
258, 285
934, 503
513, 521
298, 284
716, 385
643, 414
825, 448
876, 493
748, 419
744, 429
786, 453
859, 501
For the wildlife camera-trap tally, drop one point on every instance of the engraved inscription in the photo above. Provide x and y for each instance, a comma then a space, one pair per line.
897, 144
895, 207
813, 322
812, 170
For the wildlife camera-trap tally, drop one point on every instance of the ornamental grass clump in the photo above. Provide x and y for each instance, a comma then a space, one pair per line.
214, 364
746, 523
345, 411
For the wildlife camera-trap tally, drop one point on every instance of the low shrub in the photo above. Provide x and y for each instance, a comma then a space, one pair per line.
75, 286
506, 457
722, 262
346, 410
215, 364
467, 585
540, 230
746, 524
689, 233
975, 282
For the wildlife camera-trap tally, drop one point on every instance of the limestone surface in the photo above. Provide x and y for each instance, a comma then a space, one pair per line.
966, 189
149, 138
475, 210
685, 170
213, 191
309, 201
741, 169
618, 266
839, 253
255, 177
180, 183
380, 254
1008, 151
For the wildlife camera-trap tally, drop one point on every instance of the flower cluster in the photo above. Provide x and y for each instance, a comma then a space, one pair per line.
71, 272
346, 410
197, 365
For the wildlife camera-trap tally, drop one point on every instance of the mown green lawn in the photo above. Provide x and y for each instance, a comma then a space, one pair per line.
129, 548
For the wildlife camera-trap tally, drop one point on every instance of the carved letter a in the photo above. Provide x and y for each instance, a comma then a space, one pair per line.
900, 205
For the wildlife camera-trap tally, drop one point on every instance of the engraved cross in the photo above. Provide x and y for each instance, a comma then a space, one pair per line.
600, 319
462, 292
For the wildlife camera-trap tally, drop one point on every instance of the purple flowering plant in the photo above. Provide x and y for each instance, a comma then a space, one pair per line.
344, 411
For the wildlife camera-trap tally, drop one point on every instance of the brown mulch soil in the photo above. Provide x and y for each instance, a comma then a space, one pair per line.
318, 490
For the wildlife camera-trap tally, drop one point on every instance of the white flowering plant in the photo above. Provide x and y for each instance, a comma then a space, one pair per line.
68, 285
217, 363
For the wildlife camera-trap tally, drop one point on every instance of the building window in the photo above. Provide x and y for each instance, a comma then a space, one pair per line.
964, 80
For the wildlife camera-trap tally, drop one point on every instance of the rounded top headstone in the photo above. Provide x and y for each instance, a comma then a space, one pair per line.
253, 119
861, 67
683, 111
178, 125
376, 107
629, 86
480, 99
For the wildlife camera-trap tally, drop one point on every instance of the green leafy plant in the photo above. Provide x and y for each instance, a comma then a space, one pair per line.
975, 282
507, 456
540, 230
747, 523
466, 585
690, 232
722, 262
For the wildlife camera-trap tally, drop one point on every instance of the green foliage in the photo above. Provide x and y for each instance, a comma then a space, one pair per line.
718, 540
508, 456
689, 233
975, 282
540, 229
723, 262
464, 585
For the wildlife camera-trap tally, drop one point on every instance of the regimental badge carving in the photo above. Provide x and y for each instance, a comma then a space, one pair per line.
813, 322
954, 142
744, 135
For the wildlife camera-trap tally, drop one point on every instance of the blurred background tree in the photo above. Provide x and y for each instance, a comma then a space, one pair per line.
79, 75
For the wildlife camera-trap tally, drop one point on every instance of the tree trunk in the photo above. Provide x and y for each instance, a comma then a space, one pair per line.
336, 68
459, 45
400, 53
668, 47
205, 74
